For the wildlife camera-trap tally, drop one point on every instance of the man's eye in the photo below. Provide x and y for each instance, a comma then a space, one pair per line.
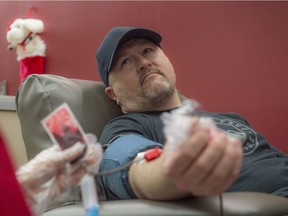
147, 50
125, 62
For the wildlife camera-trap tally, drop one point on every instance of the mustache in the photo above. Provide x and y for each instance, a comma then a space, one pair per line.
147, 72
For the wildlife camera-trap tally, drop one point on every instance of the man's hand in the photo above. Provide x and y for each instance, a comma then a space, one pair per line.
207, 163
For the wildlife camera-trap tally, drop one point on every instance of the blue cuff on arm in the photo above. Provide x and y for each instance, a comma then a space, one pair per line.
121, 151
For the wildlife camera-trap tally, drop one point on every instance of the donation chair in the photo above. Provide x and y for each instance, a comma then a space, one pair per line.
39, 95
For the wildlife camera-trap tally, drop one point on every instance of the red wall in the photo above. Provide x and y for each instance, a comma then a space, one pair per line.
230, 56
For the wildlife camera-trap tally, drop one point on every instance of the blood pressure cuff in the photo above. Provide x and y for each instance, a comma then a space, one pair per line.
122, 151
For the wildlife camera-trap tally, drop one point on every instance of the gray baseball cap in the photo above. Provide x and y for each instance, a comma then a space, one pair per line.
113, 40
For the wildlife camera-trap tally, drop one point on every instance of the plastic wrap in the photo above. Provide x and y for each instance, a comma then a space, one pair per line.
178, 123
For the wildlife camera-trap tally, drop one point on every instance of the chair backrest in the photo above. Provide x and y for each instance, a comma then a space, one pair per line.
39, 95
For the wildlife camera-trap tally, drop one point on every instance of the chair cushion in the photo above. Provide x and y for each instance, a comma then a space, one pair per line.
39, 95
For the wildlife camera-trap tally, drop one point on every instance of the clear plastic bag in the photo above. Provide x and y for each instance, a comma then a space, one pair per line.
178, 122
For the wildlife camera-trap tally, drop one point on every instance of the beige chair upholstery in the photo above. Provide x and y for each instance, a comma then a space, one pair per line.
39, 95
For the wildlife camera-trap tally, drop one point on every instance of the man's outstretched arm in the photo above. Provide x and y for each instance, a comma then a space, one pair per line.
203, 165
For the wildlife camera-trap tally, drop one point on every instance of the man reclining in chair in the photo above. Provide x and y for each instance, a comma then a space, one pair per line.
141, 80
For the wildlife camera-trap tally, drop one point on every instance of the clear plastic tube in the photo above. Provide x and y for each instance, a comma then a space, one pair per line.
89, 195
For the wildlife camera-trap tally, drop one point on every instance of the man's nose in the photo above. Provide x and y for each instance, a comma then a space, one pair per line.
143, 64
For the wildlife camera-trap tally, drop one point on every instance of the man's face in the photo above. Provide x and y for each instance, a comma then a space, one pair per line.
141, 77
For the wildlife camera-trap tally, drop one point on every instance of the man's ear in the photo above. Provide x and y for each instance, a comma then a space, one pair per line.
109, 91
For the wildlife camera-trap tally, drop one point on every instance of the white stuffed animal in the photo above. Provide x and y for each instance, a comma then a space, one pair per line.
23, 34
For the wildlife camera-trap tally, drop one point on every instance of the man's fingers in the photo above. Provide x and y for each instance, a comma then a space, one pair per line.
235, 160
225, 171
204, 164
178, 161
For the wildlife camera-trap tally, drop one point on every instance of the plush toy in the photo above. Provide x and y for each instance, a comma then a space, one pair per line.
23, 34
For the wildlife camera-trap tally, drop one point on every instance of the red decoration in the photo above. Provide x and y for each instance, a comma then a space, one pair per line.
31, 65
23, 34
11, 196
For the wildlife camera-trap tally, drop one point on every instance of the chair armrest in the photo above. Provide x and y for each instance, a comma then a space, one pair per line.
234, 204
